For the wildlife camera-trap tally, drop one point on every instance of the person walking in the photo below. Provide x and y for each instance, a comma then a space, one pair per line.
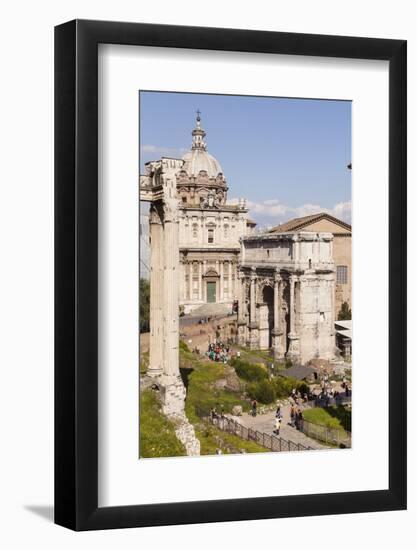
277, 425
292, 415
254, 407
278, 412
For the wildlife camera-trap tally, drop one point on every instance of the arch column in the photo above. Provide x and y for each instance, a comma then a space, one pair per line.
241, 318
293, 352
200, 281
277, 331
253, 325
221, 283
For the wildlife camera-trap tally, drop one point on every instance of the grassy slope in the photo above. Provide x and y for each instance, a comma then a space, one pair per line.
334, 417
201, 376
157, 433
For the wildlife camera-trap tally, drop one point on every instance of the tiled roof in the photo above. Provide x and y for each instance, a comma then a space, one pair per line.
298, 223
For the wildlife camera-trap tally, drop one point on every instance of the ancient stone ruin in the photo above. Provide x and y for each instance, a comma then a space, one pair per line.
160, 191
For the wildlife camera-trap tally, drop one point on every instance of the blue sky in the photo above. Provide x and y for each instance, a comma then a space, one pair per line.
287, 157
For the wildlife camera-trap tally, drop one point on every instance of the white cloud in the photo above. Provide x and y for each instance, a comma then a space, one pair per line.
272, 211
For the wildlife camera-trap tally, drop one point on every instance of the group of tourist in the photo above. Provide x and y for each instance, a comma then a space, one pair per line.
297, 397
296, 417
215, 415
219, 352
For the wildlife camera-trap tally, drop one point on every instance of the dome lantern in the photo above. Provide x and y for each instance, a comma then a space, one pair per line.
198, 159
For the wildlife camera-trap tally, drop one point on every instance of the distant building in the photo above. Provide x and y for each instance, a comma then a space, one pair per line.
342, 249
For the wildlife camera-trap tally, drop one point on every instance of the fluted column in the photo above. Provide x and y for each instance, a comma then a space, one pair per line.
292, 304
156, 235
277, 304
229, 285
293, 348
253, 325
204, 284
252, 298
200, 281
277, 330
221, 280
190, 280
241, 320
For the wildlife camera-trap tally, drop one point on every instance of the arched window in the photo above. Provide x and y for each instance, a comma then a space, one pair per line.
210, 236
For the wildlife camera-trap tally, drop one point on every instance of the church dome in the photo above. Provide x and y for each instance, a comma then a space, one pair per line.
198, 158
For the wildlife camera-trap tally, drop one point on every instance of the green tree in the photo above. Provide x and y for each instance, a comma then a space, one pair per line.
144, 305
345, 313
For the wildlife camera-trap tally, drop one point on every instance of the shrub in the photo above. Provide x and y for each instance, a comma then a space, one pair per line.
183, 346
249, 371
263, 391
284, 385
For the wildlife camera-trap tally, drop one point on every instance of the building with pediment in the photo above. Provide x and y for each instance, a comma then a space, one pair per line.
342, 249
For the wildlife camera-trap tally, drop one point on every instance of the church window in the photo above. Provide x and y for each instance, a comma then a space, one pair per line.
226, 231
195, 231
184, 199
341, 274
210, 239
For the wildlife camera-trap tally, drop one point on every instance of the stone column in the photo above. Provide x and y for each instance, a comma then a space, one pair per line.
218, 283
170, 290
229, 286
252, 298
253, 325
200, 281
204, 285
155, 367
277, 330
241, 320
221, 281
294, 347
190, 280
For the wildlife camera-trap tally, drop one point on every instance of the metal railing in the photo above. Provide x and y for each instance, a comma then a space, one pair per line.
269, 441
340, 438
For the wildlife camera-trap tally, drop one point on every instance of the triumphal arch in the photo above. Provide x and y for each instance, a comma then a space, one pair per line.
286, 297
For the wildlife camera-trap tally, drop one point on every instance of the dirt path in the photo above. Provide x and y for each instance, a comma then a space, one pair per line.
265, 423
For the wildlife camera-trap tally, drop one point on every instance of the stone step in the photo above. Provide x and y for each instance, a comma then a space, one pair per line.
211, 310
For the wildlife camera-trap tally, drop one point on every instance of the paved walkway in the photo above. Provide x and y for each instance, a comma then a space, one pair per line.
265, 423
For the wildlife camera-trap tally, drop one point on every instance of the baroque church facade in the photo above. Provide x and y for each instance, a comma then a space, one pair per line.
209, 227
